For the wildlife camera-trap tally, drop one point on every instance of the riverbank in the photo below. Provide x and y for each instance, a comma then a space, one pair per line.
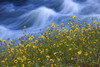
57, 47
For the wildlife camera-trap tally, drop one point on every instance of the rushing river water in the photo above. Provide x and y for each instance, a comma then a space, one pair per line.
38, 14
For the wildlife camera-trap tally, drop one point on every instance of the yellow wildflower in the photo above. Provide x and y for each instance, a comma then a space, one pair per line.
36, 41
59, 51
94, 22
19, 58
6, 59
97, 23
25, 34
30, 38
71, 23
52, 65
11, 40
23, 65
90, 52
67, 45
71, 16
24, 27
34, 46
58, 59
72, 58
8, 46
46, 49
74, 17
79, 52
11, 44
78, 19
89, 25
24, 58
4, 42
76, 25
58, 25
49, 33
0, 40
63, 28
85, 23
53, 25
77, 29
16, 46
42, 37
48, 28
39, 59
86, 54
18, 38
52, 60
12, 49
55, 53
72, 26
62, 24
20, 44
15, 61
2, 61
70, 48
38, 36
47, 56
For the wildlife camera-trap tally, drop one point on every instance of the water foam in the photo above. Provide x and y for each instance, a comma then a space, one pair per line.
69, 7
36, 19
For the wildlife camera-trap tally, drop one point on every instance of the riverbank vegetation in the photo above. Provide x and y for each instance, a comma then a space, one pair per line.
78, 46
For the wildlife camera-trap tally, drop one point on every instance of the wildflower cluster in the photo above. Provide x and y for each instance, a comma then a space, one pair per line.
58, 47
